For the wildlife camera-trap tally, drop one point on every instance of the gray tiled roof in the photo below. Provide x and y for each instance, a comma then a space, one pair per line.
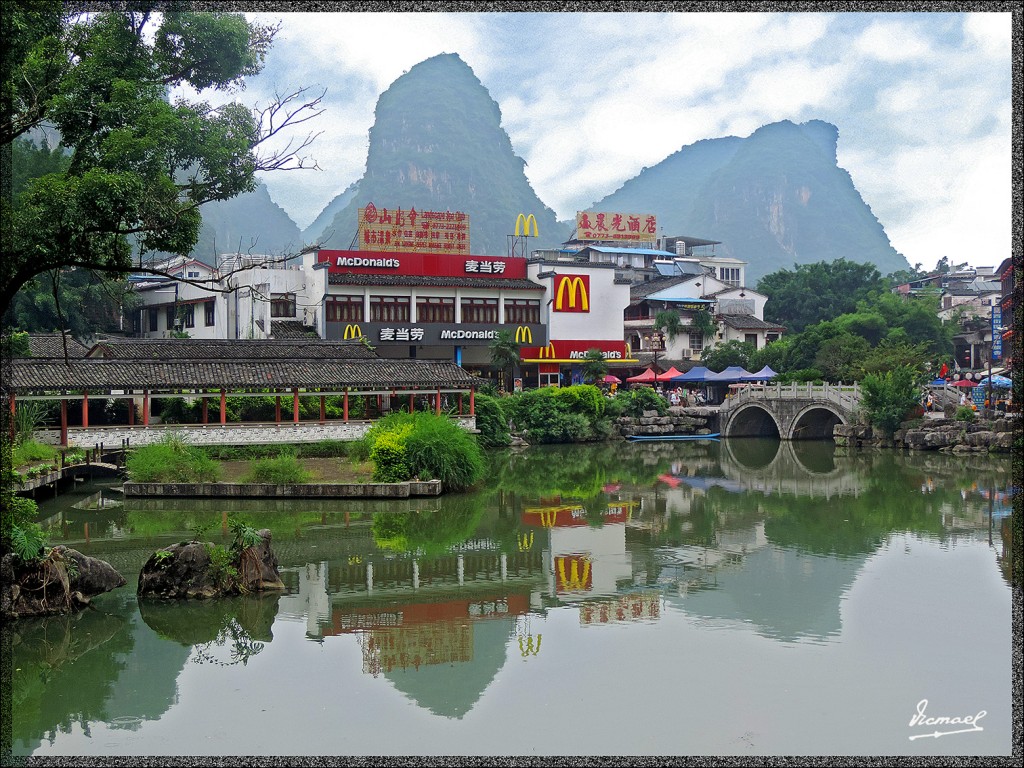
50, 345
26, 375
291, 329
305, 348
749, 323
640, 291
489, 283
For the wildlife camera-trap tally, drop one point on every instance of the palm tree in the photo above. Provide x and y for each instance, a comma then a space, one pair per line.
504, 353
595, 367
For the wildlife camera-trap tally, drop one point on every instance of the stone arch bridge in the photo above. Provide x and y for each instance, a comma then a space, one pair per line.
789, 411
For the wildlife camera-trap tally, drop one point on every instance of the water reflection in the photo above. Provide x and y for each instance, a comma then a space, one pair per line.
437, 595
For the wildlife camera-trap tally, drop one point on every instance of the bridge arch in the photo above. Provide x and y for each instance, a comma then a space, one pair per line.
752, 420
815, 422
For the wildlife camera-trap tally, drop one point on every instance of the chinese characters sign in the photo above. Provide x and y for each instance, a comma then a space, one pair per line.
412, 231
632, 227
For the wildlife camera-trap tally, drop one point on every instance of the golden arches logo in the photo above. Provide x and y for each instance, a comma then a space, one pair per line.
526, 646
547, 518
547, 352
353, 331
576, 579
524, 221
524, 335
575, 288
526, 541
629, 350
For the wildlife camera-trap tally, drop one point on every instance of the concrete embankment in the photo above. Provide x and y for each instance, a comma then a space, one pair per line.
294, 491
679, 421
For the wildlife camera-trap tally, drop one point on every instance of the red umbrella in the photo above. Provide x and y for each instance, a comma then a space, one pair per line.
962, 383
648, 375
669, 374
609, 379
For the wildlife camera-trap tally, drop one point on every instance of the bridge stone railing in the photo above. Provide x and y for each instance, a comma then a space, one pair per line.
845, 396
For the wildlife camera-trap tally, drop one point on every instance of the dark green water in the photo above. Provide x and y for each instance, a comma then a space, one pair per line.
738, 598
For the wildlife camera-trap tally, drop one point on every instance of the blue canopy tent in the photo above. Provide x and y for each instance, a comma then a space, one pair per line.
938, 383
763, 375
998, 382
696, 375
731, 374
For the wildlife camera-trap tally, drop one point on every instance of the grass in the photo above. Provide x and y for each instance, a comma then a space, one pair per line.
171, 461
31, 452
279, 470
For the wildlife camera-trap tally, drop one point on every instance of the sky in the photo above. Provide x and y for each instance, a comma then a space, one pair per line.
922, 101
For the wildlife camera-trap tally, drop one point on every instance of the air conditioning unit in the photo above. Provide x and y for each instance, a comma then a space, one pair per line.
687, 354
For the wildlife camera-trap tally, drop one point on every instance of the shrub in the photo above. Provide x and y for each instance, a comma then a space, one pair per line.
491, 422
30, 451
964, 413
171, 461
280, 470
639, 399
389, 457
439, 449
888, 397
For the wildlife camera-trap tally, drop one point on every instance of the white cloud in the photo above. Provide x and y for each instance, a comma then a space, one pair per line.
891, 42
991, 32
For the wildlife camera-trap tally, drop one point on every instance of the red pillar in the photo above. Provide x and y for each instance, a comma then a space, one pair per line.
472, 402
277, 409
64, 423
323, 409
85, 407
460, 403
412, 402
437, 403
345, 407
206, 412
145, 407
295, 404
223, 407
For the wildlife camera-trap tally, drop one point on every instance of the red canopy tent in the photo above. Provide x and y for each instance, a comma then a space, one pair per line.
963, 383
669, 374
647, 376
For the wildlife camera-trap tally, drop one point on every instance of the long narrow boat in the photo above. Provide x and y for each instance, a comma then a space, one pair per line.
673, 437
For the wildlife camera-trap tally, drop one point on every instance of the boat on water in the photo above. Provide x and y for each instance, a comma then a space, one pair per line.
672, 437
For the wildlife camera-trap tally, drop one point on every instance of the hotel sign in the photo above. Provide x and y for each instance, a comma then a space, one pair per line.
421, 264
439, 334
395, 229
631, 227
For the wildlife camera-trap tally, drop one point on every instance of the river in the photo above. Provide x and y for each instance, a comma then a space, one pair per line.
742, 597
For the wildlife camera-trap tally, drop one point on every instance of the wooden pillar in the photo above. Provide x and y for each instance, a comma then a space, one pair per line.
206, 412
145, 407
412, 402
472, 402
460, 403
64, 422
277, 409
85, 408
131, 411
223, 407
295, 404
323, 409
345, 406
437, 403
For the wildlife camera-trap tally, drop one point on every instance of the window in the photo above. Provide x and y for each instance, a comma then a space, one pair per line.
522, 311
770, 337
211, 309
696, 342
729, 275
750, 338
190, 315
170, 318
282, 305
193, 274
344, 309
479, 310
389, 309
431, 309
153, 314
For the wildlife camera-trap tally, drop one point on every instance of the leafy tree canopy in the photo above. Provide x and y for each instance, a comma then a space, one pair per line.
134, 167
733, 352
813, 292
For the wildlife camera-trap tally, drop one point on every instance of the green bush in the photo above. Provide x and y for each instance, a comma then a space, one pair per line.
491, 422
389, 458
964, 413
439, 449
888, 397
30, 451
639, 399
171, 461
280, 470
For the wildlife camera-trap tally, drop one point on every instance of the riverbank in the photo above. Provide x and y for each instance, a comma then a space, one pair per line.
934, 434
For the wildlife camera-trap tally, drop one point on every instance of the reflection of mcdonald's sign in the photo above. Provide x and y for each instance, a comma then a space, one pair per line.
547, 517
573, 293
573, 573
526, 542
526, 648
353, 331
525, 221
524, 335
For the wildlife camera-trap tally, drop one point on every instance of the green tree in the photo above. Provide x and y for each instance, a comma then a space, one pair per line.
668, 322
819, 291
595, 367
504, 354
888, 397
721, 356
138, 166
839, 358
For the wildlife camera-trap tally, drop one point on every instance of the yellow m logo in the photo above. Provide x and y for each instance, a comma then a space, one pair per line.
547, 519
576, 580
547, 352
526, 542
525, 221
575, 288
524, 335
353, 331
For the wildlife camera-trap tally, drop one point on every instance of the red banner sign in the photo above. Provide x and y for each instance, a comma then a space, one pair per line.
634, 227
575, 350
421, 264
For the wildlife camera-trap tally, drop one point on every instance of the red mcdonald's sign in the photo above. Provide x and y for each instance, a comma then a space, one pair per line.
572, 293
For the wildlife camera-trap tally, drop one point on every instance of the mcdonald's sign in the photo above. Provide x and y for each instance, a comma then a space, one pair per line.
525, 221
526, 542
572, 293
353, 331
573, 573
524, 335
548, 517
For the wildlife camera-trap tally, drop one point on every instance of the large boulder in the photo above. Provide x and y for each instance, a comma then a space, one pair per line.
64, 581
187, 570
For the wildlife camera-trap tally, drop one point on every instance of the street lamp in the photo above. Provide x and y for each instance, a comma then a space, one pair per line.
656, 342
